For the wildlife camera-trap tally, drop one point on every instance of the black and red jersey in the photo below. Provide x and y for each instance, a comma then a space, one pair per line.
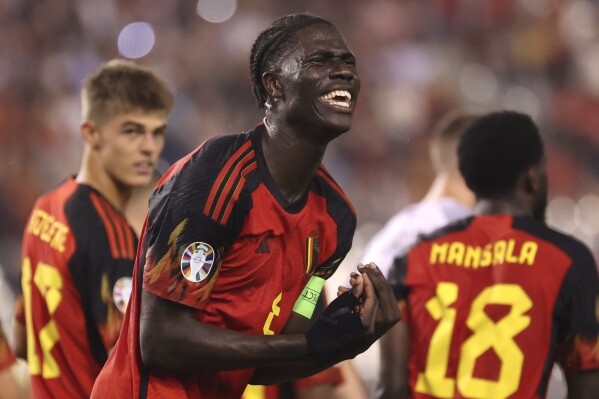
222, 239
492, 302
77, 255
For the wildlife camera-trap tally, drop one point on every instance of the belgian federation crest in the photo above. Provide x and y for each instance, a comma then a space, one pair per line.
197, 261
121, 292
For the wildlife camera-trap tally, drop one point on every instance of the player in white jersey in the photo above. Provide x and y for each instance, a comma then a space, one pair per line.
447, 199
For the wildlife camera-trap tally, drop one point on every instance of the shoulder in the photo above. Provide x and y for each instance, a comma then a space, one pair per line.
573, 248
58, 196
210, 158
208, 182
452, 209
217, 158
93, 219
456, 226
327, 186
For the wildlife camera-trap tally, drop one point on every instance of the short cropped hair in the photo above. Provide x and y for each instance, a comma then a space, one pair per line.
121, 86
445, 137
272, 43
496, 150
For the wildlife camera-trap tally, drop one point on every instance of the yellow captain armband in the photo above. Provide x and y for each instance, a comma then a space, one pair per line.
306, 302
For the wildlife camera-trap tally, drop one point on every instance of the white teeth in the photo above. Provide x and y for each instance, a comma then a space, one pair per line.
337, 97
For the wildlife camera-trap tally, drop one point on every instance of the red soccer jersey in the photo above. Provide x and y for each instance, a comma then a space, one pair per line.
492, 302
78, 256
221, 238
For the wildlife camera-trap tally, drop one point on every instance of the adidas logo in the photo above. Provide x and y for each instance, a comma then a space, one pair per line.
263, 248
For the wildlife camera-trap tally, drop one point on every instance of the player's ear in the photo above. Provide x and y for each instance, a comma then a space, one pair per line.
271, 82
90, 134
533, 180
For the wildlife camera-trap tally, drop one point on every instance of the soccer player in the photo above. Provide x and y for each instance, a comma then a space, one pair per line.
447, 199
241, 235
78, 249
490, 302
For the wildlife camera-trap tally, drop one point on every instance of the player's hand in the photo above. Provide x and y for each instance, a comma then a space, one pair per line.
377, 294
378, 309
359, 316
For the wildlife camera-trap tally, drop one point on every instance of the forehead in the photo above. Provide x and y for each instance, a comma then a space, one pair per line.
321, 37
140, 117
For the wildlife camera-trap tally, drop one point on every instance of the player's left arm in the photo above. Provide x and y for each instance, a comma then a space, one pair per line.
395, 345
19, 333
583, 384
579, 350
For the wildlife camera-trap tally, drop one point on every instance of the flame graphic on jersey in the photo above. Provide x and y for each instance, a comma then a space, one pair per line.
170, 257
165, 274
109, 329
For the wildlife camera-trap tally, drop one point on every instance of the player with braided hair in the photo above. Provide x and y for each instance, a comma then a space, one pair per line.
242, 234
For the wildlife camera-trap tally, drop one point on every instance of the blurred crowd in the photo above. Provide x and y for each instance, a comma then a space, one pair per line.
418, 59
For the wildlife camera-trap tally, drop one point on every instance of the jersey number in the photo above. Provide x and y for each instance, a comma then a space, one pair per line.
487, 334
48, 281
276, 310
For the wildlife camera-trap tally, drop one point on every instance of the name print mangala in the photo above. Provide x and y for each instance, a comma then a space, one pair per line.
496, 253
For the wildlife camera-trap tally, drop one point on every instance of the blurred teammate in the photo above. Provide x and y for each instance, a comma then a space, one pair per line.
447, 199
244, 230
490, 302
78, 249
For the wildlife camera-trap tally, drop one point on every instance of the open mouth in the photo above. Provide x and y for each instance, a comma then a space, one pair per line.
339, 98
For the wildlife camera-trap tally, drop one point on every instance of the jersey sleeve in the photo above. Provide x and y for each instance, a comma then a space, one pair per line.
194, 215
577, 312
101, 268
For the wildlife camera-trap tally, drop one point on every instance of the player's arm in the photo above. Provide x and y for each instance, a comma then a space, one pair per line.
583, 384
172, 338
18, 331
20, 340
377, 311
395, 345
395, 351
577, 308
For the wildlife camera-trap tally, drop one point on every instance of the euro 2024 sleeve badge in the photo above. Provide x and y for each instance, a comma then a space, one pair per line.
197, 261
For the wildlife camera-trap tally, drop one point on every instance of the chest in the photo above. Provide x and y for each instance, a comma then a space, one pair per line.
272, 259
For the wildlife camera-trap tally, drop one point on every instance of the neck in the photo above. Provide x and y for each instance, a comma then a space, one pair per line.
95, 176
450, 185
291, 160
501, 206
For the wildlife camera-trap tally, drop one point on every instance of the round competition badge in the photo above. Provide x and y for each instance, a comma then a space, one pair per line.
121, 292
197, 261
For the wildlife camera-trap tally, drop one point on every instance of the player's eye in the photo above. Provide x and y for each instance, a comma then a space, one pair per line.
159, 132
130, 131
